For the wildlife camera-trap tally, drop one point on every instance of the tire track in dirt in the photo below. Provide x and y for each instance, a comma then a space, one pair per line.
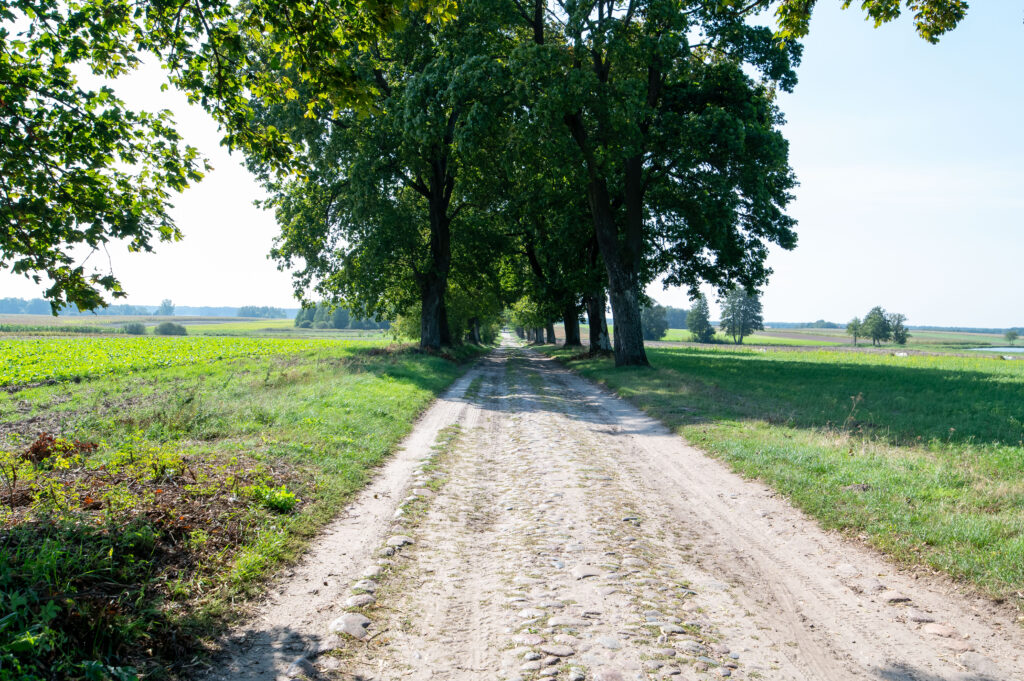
569, 536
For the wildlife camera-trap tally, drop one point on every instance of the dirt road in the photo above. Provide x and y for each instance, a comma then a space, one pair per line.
562, 534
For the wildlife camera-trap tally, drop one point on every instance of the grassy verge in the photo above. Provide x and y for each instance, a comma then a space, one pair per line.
923, 456
158, 497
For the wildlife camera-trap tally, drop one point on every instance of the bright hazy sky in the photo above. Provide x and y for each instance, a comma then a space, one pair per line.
908, 155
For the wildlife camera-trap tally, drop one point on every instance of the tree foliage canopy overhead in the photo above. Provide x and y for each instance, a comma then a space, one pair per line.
932, 18
79, 168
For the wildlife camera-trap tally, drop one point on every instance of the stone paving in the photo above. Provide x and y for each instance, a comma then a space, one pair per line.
550, 533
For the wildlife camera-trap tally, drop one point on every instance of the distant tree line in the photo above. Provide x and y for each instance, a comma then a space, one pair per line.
262, 312
968, 329
323, 316
40, 306
880, 326
676, 317
166, 308
820, 324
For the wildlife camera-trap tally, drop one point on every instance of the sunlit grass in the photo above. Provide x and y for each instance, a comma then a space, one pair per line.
938, 440
204, 477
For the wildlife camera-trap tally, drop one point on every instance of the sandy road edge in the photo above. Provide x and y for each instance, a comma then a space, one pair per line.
292, 618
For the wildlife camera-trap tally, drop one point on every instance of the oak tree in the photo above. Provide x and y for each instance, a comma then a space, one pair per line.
676, 135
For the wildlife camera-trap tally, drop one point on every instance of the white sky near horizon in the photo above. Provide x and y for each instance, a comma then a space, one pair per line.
908, 156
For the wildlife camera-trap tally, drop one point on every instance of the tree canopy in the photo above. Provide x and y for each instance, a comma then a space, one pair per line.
79, 169
932, 18
741, 314
424, 164
655, 321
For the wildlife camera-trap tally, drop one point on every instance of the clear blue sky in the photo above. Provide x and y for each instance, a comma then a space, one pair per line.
908, 155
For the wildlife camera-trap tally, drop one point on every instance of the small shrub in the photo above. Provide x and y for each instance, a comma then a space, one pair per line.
170, 329
321, 325
306, 324
279, 499
134, 328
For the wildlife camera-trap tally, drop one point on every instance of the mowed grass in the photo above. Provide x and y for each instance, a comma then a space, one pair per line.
171, 491
937, 440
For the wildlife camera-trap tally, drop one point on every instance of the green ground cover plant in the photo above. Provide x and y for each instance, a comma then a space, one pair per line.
137, 505
922, 455
32, 360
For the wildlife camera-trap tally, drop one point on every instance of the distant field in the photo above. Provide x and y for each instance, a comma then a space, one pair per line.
48, 325
111, 321
924, 340
936, 442
275, 328
759, 338
238, 325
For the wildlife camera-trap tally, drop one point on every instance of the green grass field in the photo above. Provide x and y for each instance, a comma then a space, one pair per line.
919, 340
683, 336
138, 503
938, 440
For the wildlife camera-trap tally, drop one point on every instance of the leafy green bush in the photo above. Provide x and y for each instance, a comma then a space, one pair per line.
306, 324
321, 325
170, 329
134, 328
276, 499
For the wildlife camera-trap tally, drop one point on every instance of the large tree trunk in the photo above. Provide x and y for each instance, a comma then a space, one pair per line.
571, 319
444, 331
538, 335
521, 332
599, 341
622, 258
431, 313
550, 329
623, 285
434, 330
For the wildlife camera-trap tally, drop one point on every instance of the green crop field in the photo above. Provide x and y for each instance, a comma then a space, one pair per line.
140, 501
35, 359
936, 443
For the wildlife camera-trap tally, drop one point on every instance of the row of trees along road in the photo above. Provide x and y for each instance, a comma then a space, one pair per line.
880, 326
424, 160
